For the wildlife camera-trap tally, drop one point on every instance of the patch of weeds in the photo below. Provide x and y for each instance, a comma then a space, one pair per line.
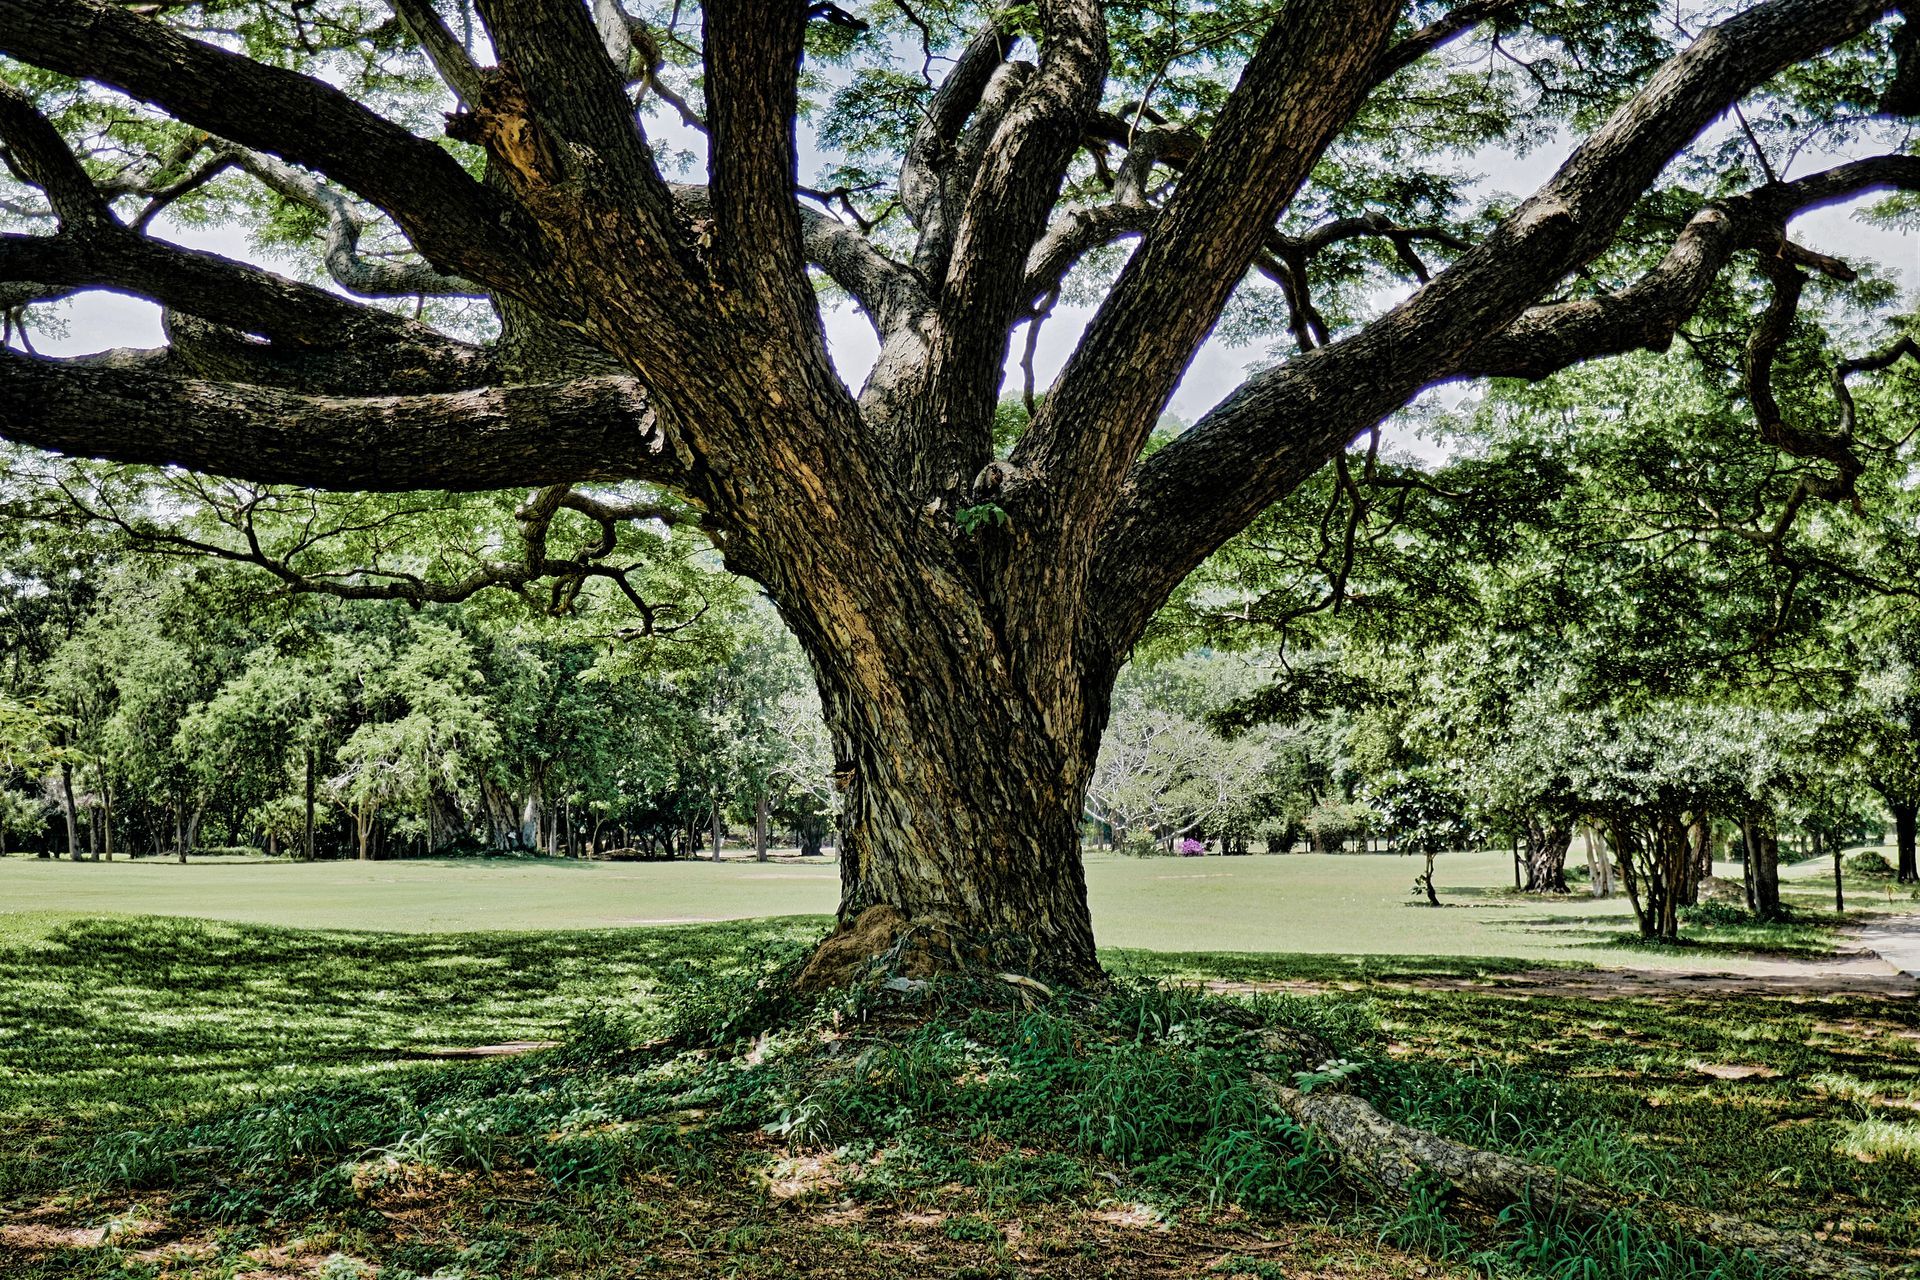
706, 1007
1882, 1140
1613, 1248
973, 1229
1240, 1264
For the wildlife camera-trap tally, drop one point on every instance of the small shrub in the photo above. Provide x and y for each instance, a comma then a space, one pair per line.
1716, 915
1869, 864
972, 1228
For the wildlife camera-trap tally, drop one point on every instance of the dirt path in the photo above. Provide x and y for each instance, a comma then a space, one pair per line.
1880, 959
1896, 940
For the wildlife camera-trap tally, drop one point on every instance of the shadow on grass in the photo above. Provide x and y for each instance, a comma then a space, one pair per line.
1231, 966
112, 1021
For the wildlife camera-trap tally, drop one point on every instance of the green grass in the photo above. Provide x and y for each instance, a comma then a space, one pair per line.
249, 1086
226, 1087
1295, 904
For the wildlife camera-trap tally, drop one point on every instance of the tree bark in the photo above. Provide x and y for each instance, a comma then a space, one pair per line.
1764, 852
70, 809
760, 812
1839, 889
1547, 845
964, 817
1906, 834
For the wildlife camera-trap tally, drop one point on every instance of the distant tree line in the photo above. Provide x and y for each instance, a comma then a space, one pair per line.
155, 705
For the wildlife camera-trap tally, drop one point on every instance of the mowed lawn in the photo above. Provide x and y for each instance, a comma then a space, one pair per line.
1352, 904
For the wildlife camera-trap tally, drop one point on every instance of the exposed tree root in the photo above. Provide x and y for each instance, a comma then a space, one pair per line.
882, 944
1393, 1156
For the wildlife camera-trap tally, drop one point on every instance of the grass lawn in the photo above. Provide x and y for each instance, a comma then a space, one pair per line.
223, 1098
1298, 903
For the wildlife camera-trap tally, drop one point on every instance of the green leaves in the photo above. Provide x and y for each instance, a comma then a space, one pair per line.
981, 516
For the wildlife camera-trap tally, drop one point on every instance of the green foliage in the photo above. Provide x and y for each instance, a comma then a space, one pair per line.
984, 515
1869, 864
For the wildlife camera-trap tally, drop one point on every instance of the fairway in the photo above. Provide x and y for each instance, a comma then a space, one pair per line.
1351, 904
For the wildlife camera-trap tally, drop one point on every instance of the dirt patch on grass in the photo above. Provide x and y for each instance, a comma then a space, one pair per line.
1846, 975
685, 1231
44, 1237
505, 1049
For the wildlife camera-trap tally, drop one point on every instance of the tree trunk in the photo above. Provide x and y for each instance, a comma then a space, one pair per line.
717, 827
962, 811
1748, 834
1764, 851
71, 810
190, 832
306, 827
1906, 827
760, 813
1547, 845
1839, 891
106, 810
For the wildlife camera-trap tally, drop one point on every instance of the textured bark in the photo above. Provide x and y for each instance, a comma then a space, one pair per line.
1906, 834
1763, 855
493, 437
1547, 844
1396, 1157
70, 811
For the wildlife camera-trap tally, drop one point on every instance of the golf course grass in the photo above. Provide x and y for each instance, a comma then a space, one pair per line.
1329, 904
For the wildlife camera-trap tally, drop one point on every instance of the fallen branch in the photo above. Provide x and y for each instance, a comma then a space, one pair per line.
1393, 1156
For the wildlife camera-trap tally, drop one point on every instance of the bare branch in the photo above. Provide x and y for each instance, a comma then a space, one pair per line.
367, 277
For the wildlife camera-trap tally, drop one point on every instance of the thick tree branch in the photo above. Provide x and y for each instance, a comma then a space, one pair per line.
1646, 314
455, 222
930, 189
315, 338
33, 148
368, 277
1284, 423
753, 77
1172, 290
1016, 181
592, 429
554, 113
446, 53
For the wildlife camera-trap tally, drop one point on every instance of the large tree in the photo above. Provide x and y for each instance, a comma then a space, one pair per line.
965, 613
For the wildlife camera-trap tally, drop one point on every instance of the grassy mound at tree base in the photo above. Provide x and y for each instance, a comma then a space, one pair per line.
956, 1128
